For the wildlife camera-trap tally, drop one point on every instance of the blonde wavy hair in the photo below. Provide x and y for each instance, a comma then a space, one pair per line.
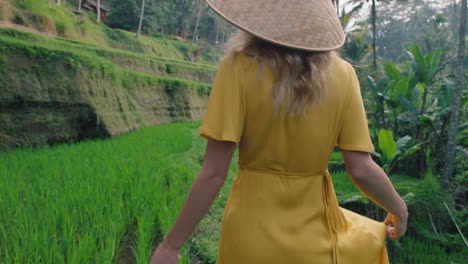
300, 75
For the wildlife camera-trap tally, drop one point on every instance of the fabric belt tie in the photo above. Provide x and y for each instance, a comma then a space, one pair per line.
335, 217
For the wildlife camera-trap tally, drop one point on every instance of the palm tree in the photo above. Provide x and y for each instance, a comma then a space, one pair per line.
374, 26
346, 18
197, 22
355, 47
451, 145
337, 5
374, 34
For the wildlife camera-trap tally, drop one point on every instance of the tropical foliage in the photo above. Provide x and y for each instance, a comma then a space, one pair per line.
410, 95
181, 18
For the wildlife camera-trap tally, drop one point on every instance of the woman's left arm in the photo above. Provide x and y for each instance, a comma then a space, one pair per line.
203, 192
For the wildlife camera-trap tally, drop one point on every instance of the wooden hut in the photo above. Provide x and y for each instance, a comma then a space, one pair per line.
92, 5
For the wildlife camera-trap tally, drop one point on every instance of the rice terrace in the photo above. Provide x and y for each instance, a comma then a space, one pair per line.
101, 104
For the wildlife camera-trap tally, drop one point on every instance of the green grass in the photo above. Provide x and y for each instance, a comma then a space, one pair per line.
88, 202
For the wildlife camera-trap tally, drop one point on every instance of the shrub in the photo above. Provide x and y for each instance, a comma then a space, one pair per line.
60, 28
18, 18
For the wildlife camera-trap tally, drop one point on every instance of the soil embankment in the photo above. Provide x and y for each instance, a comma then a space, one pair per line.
52, 95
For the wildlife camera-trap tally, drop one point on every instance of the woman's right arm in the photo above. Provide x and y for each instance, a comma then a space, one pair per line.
375, 184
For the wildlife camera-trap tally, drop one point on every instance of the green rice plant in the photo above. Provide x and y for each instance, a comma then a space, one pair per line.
336, 162
79, 203
336, 156
417, 251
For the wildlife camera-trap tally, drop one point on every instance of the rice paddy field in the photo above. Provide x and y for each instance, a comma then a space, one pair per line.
89, 202
111, 201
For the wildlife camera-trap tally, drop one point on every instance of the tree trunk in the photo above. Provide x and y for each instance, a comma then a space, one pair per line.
451, 144
197, 23
183, 33
141, 18
98, 10
79, 5
374, 14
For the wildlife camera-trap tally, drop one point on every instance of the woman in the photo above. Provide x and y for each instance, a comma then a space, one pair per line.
286, 99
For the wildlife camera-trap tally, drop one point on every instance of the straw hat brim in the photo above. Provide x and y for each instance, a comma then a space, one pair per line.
311, 25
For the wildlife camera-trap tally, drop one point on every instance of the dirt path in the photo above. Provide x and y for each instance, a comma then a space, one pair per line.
8, 24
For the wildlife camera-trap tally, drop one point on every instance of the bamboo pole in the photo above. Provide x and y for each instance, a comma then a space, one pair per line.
458, 228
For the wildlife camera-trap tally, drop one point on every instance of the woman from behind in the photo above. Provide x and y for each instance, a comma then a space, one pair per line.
284, 97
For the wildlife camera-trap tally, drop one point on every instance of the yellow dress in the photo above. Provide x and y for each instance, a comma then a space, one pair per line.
282, 208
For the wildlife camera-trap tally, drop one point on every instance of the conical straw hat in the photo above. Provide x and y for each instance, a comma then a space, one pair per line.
311, 25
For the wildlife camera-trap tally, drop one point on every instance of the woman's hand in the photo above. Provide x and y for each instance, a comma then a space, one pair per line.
398, 226
164, 254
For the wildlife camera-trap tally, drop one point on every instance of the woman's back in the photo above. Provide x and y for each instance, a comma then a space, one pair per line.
271, 141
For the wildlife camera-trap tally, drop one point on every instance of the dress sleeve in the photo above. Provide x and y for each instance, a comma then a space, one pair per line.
354, 132
224, 117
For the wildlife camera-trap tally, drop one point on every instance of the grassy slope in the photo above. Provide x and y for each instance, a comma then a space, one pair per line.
123, 99
45, 17
120, 77
155, 65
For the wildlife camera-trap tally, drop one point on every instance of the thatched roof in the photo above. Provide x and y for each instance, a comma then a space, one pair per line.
93, 4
